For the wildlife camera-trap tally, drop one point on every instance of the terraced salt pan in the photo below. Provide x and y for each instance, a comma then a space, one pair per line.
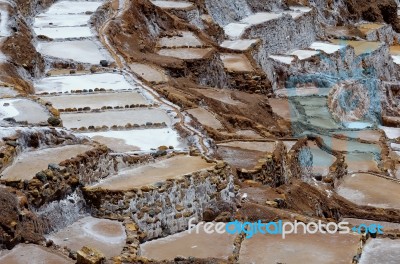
299, 248
205, 118
235, 30
391, 132
187, 244
367, 189
44, 20
350, 146
222, 95
96, 100
369, 27
239, 44
149, 73
85, 51
73, 7
103, 234
368, 135
6, 91
173, 4
183, 39
119, 118
251, 145
236, 62
283, 108
64, 84
23, 110
326, 47
304, 54
321, 160
64, 32
361, 162
185, 53
284, 59
240, 158
139, 139
154, 172
381, 250
306, 91
29, 253
360, 47
27, 164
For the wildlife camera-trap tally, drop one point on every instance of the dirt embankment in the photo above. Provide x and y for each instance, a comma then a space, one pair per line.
23, 61
18, 224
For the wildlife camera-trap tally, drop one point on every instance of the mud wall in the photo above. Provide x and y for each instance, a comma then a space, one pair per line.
166, 207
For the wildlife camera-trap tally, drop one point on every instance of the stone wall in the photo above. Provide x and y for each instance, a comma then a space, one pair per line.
165, 207
227, 11
272, 170
62, 179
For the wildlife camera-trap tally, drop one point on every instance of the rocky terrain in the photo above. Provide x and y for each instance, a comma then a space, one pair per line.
122, 121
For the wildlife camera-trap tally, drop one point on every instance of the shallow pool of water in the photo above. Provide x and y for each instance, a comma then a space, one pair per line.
105, 235
154, 172
63, 84
367, 189
85, 51
118, 118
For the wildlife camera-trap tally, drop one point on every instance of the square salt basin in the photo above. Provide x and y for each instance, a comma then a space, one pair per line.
185, 53
29, 253
251, 145
184, 39
205, 118
149, 73
28, 163
236, 62
381, 250
64, 32
44, 20
190, 244
105, 235
23, 110
85, 51
172, 4
371, 190
62, 84
154, 172
139, 139
73, 7
96, 100
299, 248
118, 118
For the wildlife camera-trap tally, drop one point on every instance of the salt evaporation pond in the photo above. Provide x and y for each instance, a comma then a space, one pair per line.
45, 19
27, 164
28, 253
367, 189
138, 139
118, 118
381, 250
23, 110
154, 172
72, 7
190, 244
61, 84
105, 235
74, 50
96, 100
64, 32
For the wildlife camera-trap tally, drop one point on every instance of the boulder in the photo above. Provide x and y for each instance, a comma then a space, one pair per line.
88, 255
